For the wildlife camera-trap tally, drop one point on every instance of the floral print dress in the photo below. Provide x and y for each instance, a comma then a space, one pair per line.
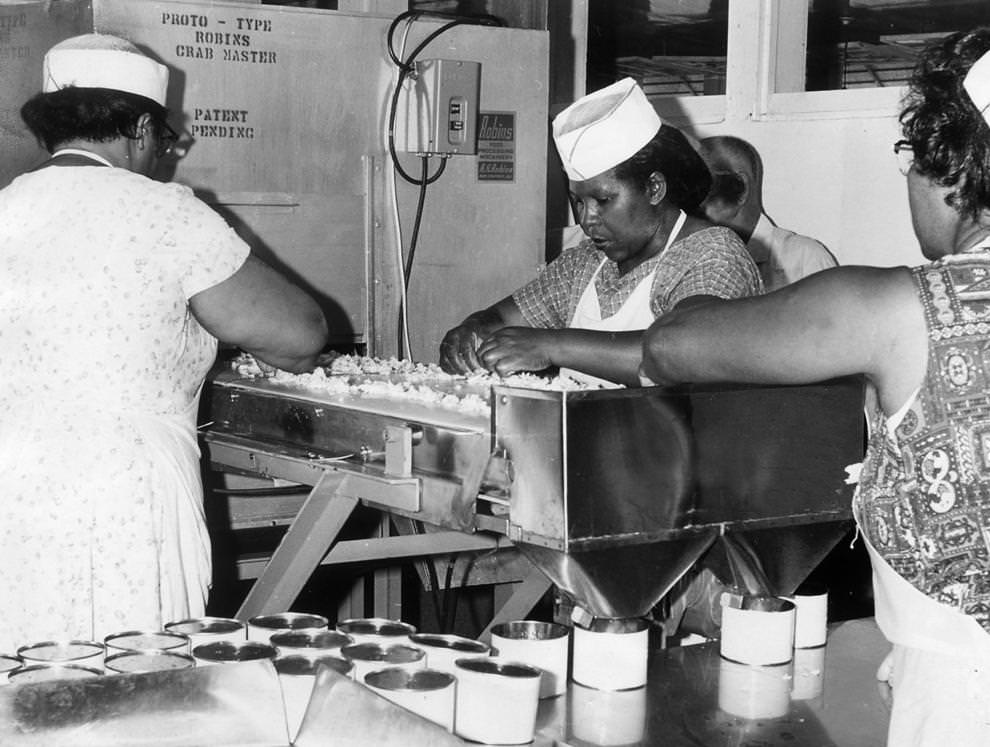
101, 364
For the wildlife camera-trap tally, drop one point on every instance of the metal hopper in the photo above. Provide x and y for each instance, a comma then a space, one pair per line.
612, 494
616, 494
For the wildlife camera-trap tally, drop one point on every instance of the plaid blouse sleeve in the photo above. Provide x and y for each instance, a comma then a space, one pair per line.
713, 262
545, 301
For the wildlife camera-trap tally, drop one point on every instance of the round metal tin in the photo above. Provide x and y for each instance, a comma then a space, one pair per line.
206, 629
139, 640
296, 643
84, 653
376, 630
48, 672
262, 627
151, 660
226, 652
443, 650
9, 663
310, 665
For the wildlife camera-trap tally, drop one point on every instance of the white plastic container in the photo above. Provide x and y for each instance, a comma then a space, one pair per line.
543, 645
497, 701
611, 654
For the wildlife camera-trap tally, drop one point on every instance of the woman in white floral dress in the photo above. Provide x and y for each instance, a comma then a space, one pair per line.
115, 291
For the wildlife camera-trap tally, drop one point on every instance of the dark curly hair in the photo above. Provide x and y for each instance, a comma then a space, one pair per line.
670, 153
950, 139
95, 114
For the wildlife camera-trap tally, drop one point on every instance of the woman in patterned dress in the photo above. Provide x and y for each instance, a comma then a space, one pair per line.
116, 289
921, 336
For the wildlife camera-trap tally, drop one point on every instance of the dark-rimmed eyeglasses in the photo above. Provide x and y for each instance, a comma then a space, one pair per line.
167, 138
905, 155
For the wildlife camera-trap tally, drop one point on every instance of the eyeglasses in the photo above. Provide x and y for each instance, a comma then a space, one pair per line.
905, 155
167, 138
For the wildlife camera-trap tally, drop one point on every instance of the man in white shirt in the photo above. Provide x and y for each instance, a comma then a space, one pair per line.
736, 201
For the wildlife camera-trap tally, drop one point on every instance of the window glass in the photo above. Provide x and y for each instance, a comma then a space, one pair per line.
873, 43
678, 47
671, 47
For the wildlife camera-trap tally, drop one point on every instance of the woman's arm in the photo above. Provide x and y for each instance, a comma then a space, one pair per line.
840, 321
459, 348
260, 311
615, 356
608, 355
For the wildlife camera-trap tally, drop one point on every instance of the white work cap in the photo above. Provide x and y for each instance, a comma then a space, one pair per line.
604, 128
104, 61
977, 85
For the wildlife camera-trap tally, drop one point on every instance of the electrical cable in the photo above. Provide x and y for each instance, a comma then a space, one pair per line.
403, 326
405, 67
434, 579
407, 269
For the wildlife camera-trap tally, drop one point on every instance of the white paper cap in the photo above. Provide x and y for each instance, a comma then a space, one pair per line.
604, 128
103, 61
977, 85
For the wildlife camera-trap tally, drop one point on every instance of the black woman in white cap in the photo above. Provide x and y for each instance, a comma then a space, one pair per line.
116, 289
636, 184
921, 336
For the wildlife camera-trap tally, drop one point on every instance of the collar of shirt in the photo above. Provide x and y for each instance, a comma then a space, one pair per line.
759, 243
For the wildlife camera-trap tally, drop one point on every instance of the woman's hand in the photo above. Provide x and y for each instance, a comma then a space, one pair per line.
459, 348
513, 349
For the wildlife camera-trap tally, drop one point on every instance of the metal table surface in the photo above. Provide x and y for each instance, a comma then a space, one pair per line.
840, 704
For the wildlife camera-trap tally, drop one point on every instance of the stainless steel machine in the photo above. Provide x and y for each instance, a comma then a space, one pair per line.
614, 495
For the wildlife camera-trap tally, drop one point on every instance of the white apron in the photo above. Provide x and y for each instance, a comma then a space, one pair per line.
635, 313
939, 669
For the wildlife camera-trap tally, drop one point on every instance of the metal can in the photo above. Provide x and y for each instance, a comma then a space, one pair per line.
228, 652
262, 627
79, 653
324, 643
151, 660
207, 629
47, 672
137, 640
377, 630
443, 650
368, 657
8, 663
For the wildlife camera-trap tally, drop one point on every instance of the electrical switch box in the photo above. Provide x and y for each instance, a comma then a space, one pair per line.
447, 95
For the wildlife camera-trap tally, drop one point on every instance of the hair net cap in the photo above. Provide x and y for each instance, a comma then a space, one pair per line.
604, 128
104, 61
977, 85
